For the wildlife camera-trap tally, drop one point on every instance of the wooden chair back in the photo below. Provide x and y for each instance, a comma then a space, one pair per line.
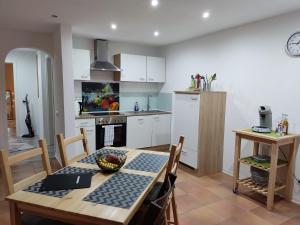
156, 210
6, 162
64, 142
174, 157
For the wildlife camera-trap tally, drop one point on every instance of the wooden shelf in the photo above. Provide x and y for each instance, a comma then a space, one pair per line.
263, 166
247, 182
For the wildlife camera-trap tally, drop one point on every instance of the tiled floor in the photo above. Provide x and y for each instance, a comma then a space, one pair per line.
201, 201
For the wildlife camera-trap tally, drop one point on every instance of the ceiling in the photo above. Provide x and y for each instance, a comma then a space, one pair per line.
176, 20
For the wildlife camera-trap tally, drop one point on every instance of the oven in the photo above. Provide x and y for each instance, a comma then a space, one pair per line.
110, 131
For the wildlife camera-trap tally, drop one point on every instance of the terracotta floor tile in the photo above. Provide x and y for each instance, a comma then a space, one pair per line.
205, 216
293, 221
179, 192
185, 203
226, 209
205, 197
249, 218
242, 202
221, 191
273, 217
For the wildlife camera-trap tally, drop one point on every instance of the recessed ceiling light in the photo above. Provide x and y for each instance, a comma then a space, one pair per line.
154, 3
113, 26
54, 16
156, 33
206, 15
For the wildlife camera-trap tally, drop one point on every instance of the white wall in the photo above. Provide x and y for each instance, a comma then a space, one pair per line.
252, 67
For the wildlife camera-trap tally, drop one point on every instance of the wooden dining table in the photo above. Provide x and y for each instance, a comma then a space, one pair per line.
94, 205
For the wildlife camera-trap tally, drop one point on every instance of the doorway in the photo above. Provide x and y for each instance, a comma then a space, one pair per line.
29, 99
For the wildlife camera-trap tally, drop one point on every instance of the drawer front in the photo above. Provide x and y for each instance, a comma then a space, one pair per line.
189, 157
84, 123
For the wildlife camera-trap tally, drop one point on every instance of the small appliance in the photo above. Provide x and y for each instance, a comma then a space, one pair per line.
265, 119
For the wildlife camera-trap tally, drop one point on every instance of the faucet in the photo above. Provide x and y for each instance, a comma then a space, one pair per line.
148, 102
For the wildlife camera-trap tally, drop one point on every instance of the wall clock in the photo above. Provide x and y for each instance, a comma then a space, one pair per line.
293, 45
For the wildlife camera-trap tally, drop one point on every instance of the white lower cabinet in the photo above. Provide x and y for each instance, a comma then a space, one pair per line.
147, 131
139, 130
161, 127
89, 126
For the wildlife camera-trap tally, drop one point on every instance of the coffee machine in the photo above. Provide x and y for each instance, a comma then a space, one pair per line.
265, 120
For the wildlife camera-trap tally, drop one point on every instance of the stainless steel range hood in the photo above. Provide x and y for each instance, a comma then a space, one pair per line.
101, 57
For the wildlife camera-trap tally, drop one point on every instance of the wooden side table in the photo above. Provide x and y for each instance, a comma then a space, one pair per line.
292, 140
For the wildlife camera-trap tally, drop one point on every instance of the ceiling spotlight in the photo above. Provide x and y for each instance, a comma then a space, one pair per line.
154, 3
205, 15
54, 16
156, 33
113, 26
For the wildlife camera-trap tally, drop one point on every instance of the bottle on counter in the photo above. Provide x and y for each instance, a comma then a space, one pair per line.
136, 107
285, 124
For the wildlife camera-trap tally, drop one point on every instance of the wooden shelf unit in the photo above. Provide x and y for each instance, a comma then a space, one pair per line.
247, 182
291, 140
261, 166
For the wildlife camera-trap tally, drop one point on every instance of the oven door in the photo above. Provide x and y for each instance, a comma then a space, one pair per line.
119, 137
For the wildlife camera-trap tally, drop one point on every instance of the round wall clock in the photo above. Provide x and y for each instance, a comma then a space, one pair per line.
293, 45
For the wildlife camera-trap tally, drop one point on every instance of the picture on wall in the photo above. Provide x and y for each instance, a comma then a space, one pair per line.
100, 97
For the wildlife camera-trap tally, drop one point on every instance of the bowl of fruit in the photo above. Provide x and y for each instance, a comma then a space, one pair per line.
110, 162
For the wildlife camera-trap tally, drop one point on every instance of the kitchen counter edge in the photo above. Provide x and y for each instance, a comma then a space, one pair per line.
128, 114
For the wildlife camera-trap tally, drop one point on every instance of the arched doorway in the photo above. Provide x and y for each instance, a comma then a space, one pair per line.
29, 99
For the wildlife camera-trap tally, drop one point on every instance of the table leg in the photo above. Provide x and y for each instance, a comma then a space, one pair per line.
256, 148
236, 167
15, 216
272, 176
290, 171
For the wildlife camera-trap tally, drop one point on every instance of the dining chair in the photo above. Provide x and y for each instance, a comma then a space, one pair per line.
64, 142
7, 162
172, 167
155, 212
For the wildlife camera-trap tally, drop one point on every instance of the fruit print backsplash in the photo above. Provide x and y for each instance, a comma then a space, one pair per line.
97, 97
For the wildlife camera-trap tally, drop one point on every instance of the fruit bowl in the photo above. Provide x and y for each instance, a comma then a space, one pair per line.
109, 162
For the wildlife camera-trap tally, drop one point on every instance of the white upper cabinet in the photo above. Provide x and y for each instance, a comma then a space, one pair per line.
81, 64
156, 69
133, 67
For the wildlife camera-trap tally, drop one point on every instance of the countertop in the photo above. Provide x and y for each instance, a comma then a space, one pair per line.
132, 113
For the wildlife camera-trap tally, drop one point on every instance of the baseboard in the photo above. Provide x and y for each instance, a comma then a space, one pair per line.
227, 172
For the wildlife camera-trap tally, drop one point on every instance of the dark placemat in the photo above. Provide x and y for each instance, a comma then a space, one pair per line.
121, 190
35, 188
147, 162
91, 158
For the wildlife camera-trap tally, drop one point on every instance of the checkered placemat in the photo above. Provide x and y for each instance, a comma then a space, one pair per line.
147, 162
121, 190
35, 188
91, 158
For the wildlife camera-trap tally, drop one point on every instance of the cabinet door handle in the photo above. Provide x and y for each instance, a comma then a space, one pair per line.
142, 78
194, 99
140, 119
156, 118
151, 79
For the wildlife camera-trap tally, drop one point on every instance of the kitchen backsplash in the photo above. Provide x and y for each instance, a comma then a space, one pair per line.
130, 93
